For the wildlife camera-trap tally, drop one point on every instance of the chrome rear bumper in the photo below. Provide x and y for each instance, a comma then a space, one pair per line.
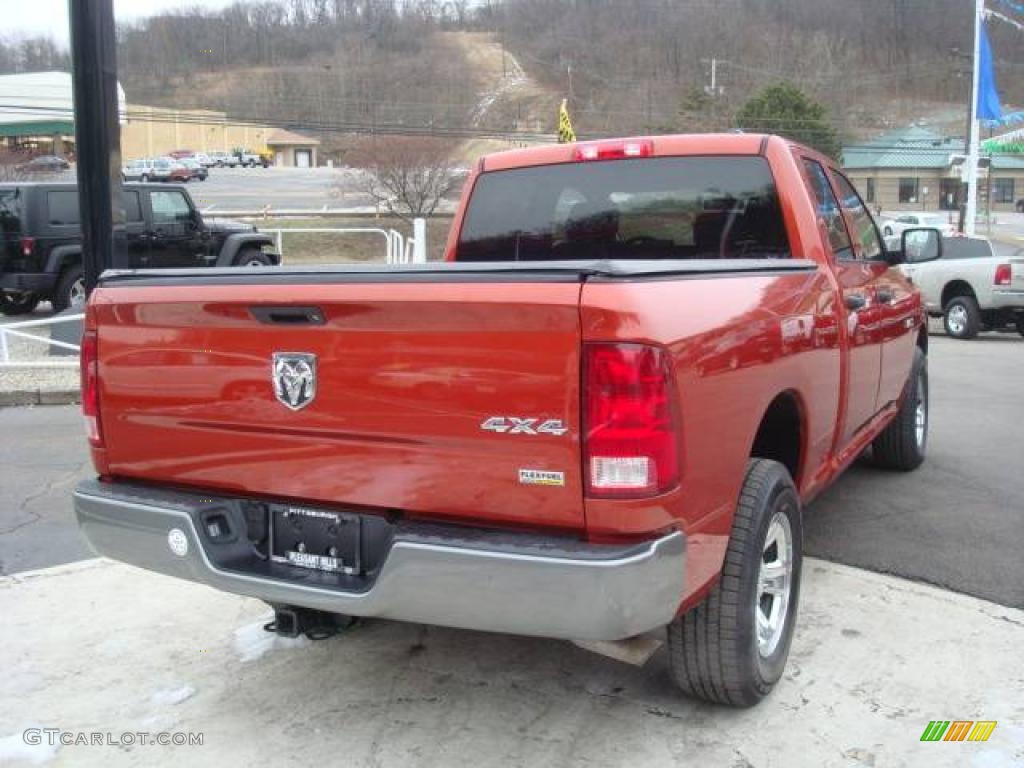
548, 586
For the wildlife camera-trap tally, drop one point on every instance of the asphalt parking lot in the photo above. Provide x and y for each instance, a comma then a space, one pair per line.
247, 189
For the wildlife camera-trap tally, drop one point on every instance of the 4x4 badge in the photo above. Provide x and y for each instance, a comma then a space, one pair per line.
294, 378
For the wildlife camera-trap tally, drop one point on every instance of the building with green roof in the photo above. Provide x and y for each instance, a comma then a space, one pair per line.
920, 170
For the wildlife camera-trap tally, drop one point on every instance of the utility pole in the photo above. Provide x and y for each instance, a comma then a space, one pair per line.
971, 210
97, 135
961, 199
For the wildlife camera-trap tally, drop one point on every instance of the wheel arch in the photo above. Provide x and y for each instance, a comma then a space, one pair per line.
955, 288
61, 257
781, 433
233, 244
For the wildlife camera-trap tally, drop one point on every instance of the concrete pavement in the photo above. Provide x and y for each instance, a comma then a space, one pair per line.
874, 660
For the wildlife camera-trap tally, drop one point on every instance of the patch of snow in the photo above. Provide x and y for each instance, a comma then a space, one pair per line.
168, 697
252, 641
14, 748
162, 722
115, 645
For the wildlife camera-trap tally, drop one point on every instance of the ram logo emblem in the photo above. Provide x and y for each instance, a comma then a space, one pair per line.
294, 378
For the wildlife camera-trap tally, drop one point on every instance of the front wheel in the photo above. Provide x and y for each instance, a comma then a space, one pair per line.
732, 648
902, 444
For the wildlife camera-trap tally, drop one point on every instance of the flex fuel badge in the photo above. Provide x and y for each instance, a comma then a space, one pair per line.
541, 477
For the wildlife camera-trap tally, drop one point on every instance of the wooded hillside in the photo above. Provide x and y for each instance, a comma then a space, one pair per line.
635, 66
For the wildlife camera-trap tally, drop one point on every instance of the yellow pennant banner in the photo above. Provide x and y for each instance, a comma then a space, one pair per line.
565, 131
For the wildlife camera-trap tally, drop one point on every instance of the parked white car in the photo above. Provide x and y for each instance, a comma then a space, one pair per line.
894, 226
971, 288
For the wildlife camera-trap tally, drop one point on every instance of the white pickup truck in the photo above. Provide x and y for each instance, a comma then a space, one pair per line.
971, 288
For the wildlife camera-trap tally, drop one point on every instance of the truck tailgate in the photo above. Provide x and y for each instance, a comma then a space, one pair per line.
407, 374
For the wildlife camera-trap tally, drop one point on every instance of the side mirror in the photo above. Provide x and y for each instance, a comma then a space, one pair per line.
918, 245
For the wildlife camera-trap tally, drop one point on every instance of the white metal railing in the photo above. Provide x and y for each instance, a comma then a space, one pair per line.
15, 330
399, 248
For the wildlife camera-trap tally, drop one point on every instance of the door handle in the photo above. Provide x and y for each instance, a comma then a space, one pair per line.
855, 301
884, 295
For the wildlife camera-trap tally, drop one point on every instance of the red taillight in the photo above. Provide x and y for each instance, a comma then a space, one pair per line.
630, 433
1003, 276
613, 150
89, 364
28, 245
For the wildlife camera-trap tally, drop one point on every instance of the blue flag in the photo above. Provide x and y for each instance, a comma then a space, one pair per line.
988, 106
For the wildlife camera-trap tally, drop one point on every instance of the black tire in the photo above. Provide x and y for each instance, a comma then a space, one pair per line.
68, 288
888, 232
252, 257
20, 304
962, 318
900, 446
714, 650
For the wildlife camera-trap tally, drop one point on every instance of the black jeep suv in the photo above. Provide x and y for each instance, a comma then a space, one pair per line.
41, 240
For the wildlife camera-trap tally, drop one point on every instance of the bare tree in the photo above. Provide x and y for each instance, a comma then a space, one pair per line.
12, 165
409, 176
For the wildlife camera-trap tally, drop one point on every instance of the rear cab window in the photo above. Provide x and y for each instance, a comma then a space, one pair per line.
956, 248
643, 208
10, 212
62, 208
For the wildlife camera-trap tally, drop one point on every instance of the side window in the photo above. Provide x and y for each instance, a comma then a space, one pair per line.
169, 207
828, 209
863, 224
62, 208
132, 210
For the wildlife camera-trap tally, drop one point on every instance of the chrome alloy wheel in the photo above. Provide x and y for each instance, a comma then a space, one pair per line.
77, 293
920, 412
774, 585
956, 318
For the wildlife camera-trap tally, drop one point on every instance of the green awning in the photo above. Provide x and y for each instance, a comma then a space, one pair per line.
39, 128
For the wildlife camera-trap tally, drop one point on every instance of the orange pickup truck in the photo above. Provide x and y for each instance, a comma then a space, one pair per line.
600, 417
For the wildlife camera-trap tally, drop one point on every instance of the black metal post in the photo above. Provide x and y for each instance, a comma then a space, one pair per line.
97, 134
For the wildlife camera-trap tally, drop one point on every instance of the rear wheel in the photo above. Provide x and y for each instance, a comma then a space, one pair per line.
70, 289
252, 257
902, 444
17, 303
962, 317
1019, 322
732, 648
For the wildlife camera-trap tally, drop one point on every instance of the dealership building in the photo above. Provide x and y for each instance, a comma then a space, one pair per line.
37, 114
37, 117
916, 169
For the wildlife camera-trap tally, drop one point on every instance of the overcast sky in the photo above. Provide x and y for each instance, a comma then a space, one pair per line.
50, 17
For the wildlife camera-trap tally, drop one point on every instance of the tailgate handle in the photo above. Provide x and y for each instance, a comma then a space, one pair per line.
289, 315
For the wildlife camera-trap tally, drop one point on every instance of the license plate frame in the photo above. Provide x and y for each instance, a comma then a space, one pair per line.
304, 537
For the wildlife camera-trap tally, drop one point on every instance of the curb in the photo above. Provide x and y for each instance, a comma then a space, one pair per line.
40, 397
